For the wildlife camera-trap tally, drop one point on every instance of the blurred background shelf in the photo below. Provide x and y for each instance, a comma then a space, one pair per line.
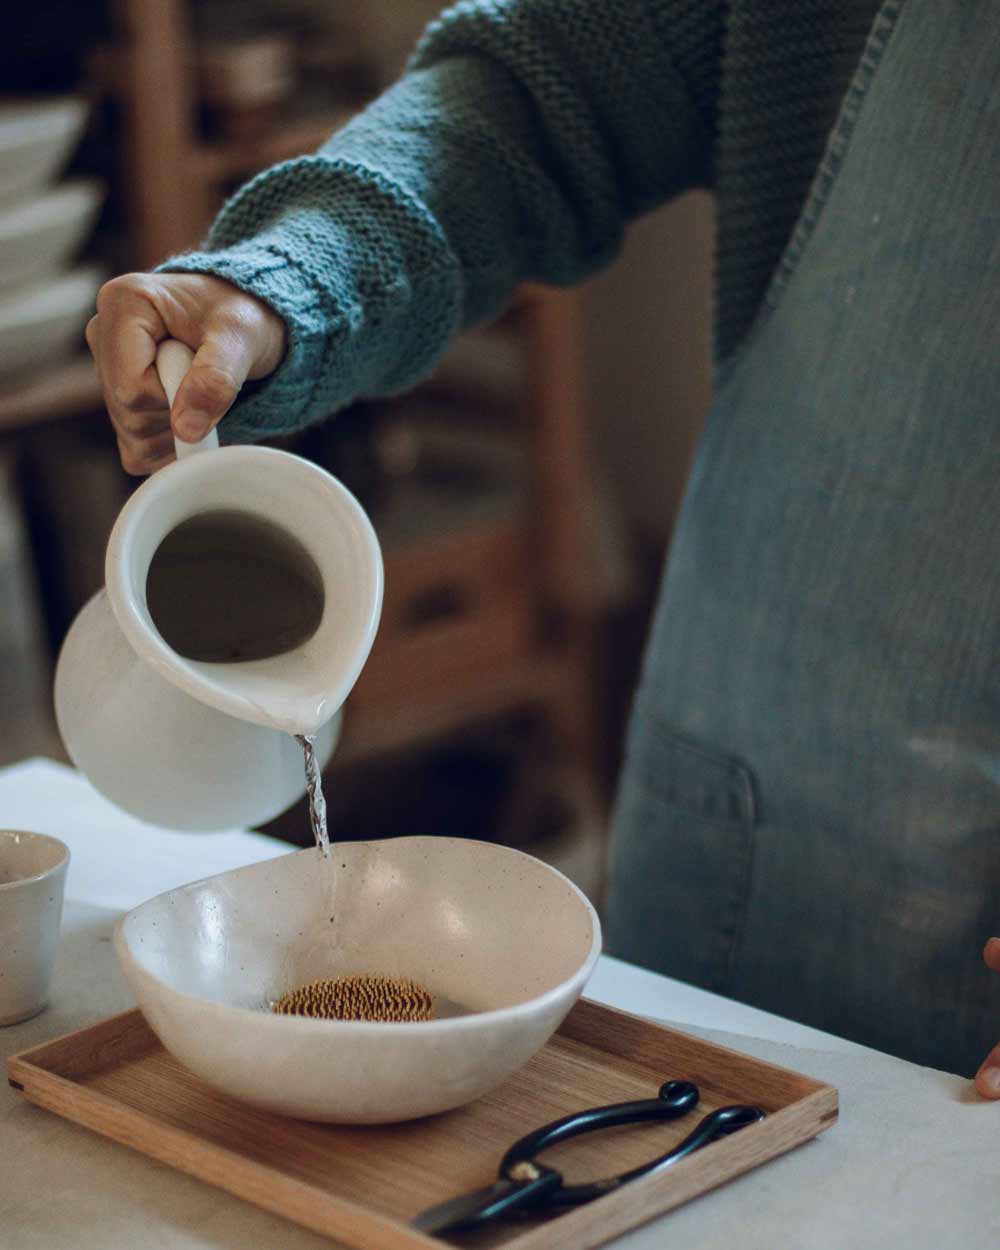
518, 581
376, 727
480, 697
67, 390
223, 161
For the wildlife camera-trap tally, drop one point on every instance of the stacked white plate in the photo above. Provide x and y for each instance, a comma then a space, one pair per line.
44, 300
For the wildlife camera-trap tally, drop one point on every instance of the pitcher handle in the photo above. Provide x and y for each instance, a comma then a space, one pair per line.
173, 360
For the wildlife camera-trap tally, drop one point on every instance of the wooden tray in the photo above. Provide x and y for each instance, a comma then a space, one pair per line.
363, 1185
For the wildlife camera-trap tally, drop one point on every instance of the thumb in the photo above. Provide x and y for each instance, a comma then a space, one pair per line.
988, 1076
220, 367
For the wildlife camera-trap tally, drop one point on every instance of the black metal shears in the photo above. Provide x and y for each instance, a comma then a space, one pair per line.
524, 1185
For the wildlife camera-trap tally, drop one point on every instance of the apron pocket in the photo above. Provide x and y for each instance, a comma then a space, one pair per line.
682, 852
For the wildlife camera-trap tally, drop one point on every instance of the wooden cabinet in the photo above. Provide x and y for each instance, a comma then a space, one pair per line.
483, 615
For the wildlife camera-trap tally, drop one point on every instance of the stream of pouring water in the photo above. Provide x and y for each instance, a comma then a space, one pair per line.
314, 788
318, 953
325, 950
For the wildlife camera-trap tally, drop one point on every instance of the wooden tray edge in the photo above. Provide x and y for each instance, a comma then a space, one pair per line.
580, 1229
684, 1040
207, 1161
52, 1052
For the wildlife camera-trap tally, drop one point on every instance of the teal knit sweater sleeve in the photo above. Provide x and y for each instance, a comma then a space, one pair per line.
522, 138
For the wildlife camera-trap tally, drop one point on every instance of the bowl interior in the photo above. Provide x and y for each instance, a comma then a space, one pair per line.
481, 926
25, 855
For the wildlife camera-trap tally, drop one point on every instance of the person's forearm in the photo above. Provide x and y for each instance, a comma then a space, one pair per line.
523, 138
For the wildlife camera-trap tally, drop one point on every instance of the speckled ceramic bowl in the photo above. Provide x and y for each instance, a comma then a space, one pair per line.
503, 942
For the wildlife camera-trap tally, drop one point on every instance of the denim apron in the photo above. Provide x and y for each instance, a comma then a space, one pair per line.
809, 812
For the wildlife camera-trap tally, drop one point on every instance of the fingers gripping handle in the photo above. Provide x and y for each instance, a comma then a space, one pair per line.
173, 360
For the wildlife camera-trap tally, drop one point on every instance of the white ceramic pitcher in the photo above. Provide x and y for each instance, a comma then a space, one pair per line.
196, 745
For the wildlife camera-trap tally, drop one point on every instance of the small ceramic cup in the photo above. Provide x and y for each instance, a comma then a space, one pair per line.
32, 878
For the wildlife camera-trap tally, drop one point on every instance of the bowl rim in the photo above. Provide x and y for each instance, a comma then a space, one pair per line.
472, 1021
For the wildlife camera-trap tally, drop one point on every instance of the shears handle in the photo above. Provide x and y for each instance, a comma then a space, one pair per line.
676, 1098
525, 1185
716, 1124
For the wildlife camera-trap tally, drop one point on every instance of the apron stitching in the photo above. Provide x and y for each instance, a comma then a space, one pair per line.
822, 185
749, 806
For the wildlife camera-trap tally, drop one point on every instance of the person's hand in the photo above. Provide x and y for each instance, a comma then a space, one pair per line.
233, 335
988, 1076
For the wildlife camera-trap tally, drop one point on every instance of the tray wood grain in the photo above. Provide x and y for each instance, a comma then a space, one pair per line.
362, 1185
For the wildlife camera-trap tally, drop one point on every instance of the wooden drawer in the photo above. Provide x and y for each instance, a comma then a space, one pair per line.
455, 603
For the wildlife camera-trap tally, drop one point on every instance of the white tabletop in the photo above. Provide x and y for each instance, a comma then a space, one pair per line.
62, 1187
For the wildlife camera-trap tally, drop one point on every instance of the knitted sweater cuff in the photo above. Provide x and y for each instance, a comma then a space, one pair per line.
357, 269
284, 401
